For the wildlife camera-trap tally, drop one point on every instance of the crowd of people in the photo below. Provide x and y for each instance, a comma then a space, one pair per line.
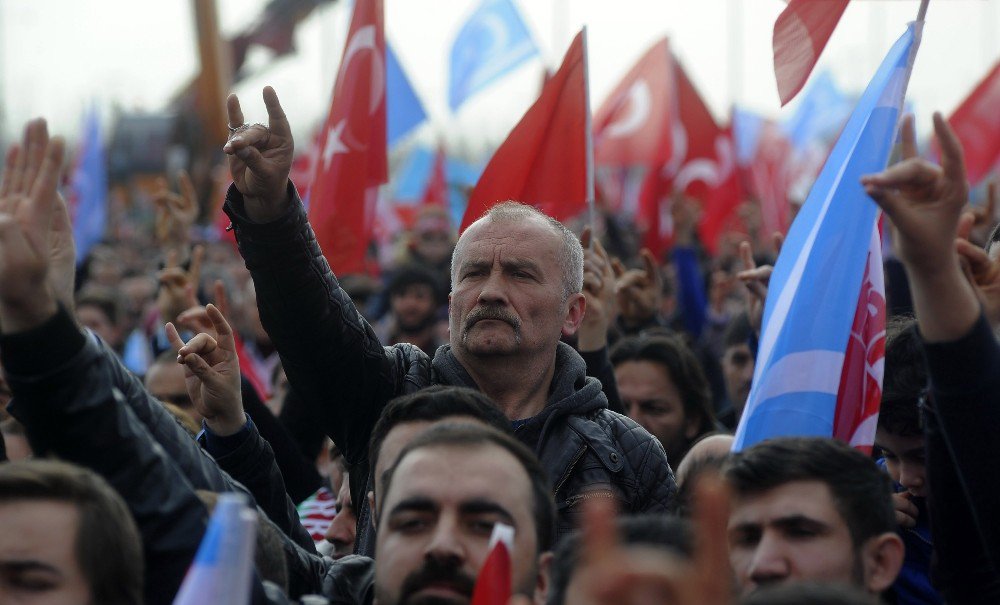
573, 388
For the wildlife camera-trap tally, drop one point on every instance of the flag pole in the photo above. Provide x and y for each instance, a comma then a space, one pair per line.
589, 137
923, 10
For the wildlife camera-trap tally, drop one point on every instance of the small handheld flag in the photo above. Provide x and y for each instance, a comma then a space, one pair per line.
493, 586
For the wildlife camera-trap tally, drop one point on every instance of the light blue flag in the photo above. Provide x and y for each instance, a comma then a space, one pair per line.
820, 113
223, 568
491, 43
89, 201
403, 108
813, 292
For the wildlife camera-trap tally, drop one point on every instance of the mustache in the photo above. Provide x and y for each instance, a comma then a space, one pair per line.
492, 312
434, 571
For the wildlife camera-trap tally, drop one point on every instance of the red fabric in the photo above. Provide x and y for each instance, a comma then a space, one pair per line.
768, 177
352, 158
248, 370
975, 122
436, 193
702, 165
632, 126
493, 585
800, 34
543, 162
860, 394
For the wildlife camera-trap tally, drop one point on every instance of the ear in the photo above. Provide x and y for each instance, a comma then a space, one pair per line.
371, 507
576, 307
881, 559
544, 582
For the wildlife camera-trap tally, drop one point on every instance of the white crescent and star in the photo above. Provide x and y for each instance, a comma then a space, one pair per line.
339, 138
637, 103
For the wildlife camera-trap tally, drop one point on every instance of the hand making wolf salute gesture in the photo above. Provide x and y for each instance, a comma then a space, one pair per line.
925, 202
33, 225
260, 158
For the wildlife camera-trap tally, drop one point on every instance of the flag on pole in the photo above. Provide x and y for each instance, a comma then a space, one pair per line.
493, 584
223, 568
800, 379
88, 203
352, 160
800, 34
436, 192
975, 122
492, 42
543, 162
403, 107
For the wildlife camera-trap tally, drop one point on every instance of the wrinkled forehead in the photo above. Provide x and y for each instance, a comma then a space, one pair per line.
528, 235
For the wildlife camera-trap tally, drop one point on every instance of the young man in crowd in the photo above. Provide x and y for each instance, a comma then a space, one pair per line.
811, 509
66, 537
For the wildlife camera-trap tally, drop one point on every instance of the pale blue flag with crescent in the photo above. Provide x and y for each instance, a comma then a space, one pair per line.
492, 42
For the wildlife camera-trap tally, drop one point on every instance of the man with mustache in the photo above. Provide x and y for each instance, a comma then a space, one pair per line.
516, 276
441, 500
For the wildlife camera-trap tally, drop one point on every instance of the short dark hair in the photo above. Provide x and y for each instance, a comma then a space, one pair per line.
432, 404
412, 275
862, 493
108, 546
104, 299
738, 332
659, 531
795, 593
905, 379
682, 368
456, 434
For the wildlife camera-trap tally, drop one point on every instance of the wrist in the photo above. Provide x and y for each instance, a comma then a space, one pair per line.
226, 425
23, 315
268, 207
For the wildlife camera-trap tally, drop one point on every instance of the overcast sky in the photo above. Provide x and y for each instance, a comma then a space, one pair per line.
59, 55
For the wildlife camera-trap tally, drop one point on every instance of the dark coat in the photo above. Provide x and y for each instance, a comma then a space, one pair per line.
338, 367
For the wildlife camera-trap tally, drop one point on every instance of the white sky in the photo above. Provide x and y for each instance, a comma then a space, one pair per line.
56, 56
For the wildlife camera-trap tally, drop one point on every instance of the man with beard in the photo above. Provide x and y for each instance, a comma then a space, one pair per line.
517, 277
441, 500
811, 509
415, 296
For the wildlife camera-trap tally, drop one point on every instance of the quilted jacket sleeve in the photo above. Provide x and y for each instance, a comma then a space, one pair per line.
330, 354
63, 396
656, 488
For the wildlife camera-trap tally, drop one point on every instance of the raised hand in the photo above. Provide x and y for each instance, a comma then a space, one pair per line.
196, 319
906, 511
260, 158
212, 374
29, 207
924, 201
178, 287
599, 290
756, 280
175, 212
639, 291
984, 275
613, 574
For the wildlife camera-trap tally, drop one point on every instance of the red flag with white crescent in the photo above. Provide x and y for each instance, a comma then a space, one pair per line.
352, 146
632, 126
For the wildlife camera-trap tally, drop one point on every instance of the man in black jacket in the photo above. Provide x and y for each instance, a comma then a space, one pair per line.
516, 281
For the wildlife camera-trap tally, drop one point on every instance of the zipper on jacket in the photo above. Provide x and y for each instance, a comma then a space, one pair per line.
603, 494
569, 469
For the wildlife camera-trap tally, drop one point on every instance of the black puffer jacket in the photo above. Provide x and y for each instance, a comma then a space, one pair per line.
337, 365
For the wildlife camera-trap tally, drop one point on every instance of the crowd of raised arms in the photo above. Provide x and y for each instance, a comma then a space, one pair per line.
558, 382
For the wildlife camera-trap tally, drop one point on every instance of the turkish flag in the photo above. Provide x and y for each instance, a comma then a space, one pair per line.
800, 34
493, 584
975, 122
702, 165
436, 192
632, 126
768, 175
352, 159
543, 162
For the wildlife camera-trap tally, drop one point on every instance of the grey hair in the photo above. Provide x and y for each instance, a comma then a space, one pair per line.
571, 252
